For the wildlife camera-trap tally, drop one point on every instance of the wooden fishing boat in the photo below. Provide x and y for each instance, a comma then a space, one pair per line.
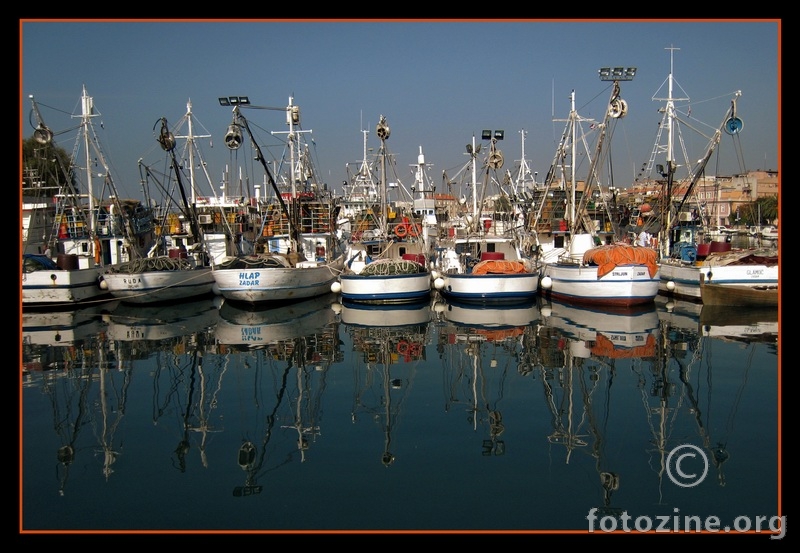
761, 295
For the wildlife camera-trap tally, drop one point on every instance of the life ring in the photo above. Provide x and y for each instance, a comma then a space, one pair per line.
415, 349
401, 230
414, 229
402, 347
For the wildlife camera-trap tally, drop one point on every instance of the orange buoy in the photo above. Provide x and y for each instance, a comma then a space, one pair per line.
414, 229
401, 230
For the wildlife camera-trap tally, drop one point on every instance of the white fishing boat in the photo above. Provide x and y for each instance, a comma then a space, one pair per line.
685, 254
389, 264
576, 265
487, 258
69, 234
169, 272
301, 255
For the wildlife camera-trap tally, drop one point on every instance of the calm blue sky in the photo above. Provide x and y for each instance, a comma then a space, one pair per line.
437, 83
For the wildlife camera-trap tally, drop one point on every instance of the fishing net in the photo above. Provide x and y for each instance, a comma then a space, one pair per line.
384, 267
151, 264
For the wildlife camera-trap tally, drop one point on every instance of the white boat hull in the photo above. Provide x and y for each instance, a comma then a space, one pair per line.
682, 280
516, 287
625, 286
276, 283
159, 286
59, 286
385, 288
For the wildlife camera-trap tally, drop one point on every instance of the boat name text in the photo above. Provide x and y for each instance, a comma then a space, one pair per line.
249, 279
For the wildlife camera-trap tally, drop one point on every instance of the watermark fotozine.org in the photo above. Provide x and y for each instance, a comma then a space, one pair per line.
687, 466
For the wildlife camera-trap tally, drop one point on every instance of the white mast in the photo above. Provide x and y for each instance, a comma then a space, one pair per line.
573, 115
190, 140
87, 111
474, 183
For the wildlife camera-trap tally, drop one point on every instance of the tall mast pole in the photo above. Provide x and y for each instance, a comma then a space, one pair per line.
86, 113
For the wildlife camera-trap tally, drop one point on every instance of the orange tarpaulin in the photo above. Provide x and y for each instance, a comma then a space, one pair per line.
501, 334
603, 347
498, 267
608, 257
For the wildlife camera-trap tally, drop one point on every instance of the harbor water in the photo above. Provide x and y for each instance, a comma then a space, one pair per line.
209, 416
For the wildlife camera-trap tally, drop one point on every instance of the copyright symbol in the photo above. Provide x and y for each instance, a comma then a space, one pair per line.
682, 465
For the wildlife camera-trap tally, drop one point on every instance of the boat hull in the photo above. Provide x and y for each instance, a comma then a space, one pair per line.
160, 286
683, 281
60, 286
274, 284
739, 296
509, 288
625, 286
400, 288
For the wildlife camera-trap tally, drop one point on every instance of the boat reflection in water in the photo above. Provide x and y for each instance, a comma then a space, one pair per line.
282, 355
66, 355
681, 385
242, 325
389, 342
748, 324
554, 409
606, 332
154, 323
481, 347
64, 327
580, 348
